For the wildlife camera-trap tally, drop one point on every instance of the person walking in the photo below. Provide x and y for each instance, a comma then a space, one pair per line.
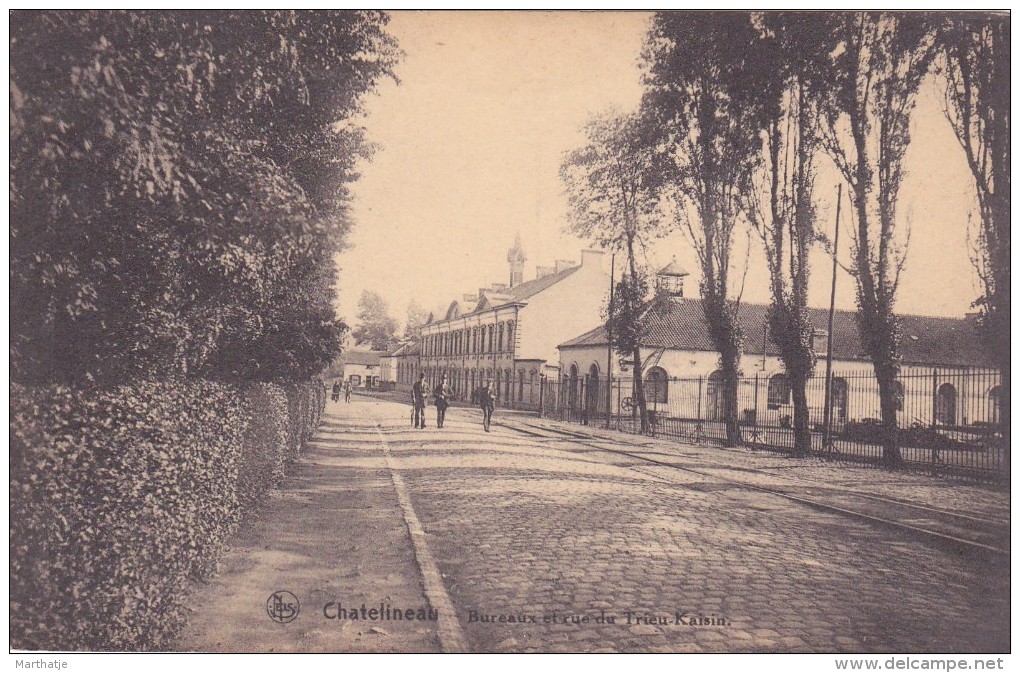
487, 400
336, 390
441, 393
347, 391
419, 391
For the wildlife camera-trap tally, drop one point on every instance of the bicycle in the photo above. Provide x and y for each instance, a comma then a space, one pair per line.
696, 435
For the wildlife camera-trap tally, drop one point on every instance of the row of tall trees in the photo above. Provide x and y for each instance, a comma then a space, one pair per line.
179, 188
739, 107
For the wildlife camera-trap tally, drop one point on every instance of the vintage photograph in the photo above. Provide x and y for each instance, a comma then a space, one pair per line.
511, 332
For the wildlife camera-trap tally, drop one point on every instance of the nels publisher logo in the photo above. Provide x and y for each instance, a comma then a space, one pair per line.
283, 607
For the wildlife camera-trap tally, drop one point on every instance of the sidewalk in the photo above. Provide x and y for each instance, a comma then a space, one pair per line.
334, 533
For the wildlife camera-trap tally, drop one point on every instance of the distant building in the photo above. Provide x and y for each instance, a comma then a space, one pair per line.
363, 368
509, 332
945, 376
407, 363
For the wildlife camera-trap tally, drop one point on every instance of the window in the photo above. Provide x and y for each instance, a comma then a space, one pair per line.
993, 404
355, 380
657, 385
510, 336
838, 400
945, 404
779, 390
500, 348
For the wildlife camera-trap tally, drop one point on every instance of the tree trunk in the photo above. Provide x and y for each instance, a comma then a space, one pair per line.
801, 414
730, 367
639, 385
886, 376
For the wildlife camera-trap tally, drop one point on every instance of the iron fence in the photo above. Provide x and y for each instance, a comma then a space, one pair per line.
948, 420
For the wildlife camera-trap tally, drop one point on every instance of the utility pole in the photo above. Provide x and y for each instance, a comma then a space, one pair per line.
827, 422
609, 354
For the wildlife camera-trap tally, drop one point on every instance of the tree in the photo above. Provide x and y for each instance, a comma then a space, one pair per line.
416, 318
702, 102
976, 72
613, 199
781, 206
874, 65
178, 187
376, 326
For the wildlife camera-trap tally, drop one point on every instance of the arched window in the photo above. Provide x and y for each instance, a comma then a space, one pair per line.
510, 336
945, 404
520, 386
657, 385
508, 380
492, 333
994, 401
715, 397
572, 394
500, 342
779, 390
838, 401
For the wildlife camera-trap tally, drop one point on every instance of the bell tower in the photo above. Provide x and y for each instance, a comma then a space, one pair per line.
670, 280
516, 257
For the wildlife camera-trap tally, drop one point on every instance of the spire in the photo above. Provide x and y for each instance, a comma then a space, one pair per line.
516, 256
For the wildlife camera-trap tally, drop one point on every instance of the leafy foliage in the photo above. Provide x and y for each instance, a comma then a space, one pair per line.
875, 63
784, 62
376, 326
612, 186
118, 497
975, 65
416, 318
178, 186
699, 93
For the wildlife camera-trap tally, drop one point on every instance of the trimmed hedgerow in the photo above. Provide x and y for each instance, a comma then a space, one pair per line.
119, 496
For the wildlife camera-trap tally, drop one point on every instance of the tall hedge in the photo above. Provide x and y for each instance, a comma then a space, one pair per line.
118, 497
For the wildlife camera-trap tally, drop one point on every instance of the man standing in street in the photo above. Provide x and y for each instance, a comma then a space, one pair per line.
487, 400
418, 393
441, 393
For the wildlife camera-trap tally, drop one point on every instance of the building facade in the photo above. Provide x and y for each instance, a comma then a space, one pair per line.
509, 332
945, 377
363, 368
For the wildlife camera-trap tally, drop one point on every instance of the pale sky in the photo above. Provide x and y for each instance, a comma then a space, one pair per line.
471, 142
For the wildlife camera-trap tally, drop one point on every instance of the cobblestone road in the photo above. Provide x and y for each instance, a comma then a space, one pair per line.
543, 545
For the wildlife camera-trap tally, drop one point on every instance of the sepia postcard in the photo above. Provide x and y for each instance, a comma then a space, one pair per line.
511, 332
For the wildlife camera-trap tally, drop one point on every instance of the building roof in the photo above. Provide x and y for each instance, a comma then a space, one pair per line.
536, 285
491, 298
409, 348
673, 269
357, 357
924, 340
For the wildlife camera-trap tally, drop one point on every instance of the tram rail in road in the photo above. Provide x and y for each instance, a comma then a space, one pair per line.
958, 532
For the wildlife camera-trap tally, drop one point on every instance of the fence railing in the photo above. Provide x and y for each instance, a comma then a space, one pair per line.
948, 420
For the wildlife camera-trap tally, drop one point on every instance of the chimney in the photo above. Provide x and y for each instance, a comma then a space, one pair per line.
562, 264
543, 271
